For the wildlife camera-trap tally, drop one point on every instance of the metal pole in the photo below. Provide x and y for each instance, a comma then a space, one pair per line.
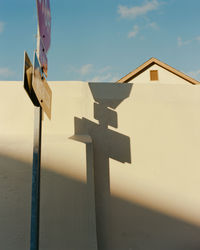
35, 204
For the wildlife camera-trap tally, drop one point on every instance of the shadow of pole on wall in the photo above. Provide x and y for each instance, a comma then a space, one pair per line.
106, 144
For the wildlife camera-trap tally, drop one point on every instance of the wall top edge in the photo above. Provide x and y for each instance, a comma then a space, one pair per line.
82, 82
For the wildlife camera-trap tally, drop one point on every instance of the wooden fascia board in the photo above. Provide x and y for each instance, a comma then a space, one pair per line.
152, 61
133, 73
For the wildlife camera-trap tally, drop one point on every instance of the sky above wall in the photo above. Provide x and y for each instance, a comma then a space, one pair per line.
103, 40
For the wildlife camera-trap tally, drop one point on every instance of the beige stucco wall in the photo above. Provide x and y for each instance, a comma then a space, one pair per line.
164, 77
145, 153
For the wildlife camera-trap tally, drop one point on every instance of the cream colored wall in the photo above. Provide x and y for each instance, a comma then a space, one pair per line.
164, 77
67, 209
145, 153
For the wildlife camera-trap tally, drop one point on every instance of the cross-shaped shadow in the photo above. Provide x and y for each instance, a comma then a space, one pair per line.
107, 144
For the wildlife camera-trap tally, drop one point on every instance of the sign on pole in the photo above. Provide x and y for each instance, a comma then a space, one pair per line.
41, 88
44, 22
35, 83
28, 73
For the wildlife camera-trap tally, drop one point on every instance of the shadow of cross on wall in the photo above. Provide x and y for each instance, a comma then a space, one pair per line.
106, 144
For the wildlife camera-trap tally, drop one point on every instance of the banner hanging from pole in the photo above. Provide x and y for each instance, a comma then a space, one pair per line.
43, 57
44, 22
44, 25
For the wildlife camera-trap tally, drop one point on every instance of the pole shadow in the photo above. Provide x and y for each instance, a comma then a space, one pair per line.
107, 144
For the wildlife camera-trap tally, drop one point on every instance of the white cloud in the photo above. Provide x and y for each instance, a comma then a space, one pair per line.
83, 70
6, 72
198, 38
136, 11
182, 42
104, 75
1, 27
101, 78
105, 78
90, 73
153, 25
134, 32
86, 69
195, 74
104, 69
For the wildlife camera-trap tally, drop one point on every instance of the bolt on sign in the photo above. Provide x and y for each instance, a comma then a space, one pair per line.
41, 88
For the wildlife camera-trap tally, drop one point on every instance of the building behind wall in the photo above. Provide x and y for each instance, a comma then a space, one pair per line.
155, 71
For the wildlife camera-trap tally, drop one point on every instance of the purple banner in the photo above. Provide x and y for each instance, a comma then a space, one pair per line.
44, 21
43, 58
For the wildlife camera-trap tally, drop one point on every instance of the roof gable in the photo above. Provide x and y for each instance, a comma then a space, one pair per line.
151, 62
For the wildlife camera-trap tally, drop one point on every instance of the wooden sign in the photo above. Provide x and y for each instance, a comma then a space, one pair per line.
41, 88
28, 72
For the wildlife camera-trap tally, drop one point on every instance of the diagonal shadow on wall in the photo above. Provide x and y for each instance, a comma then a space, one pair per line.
64, 219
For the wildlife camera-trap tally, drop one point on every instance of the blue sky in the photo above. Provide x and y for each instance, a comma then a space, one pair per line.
102, 40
